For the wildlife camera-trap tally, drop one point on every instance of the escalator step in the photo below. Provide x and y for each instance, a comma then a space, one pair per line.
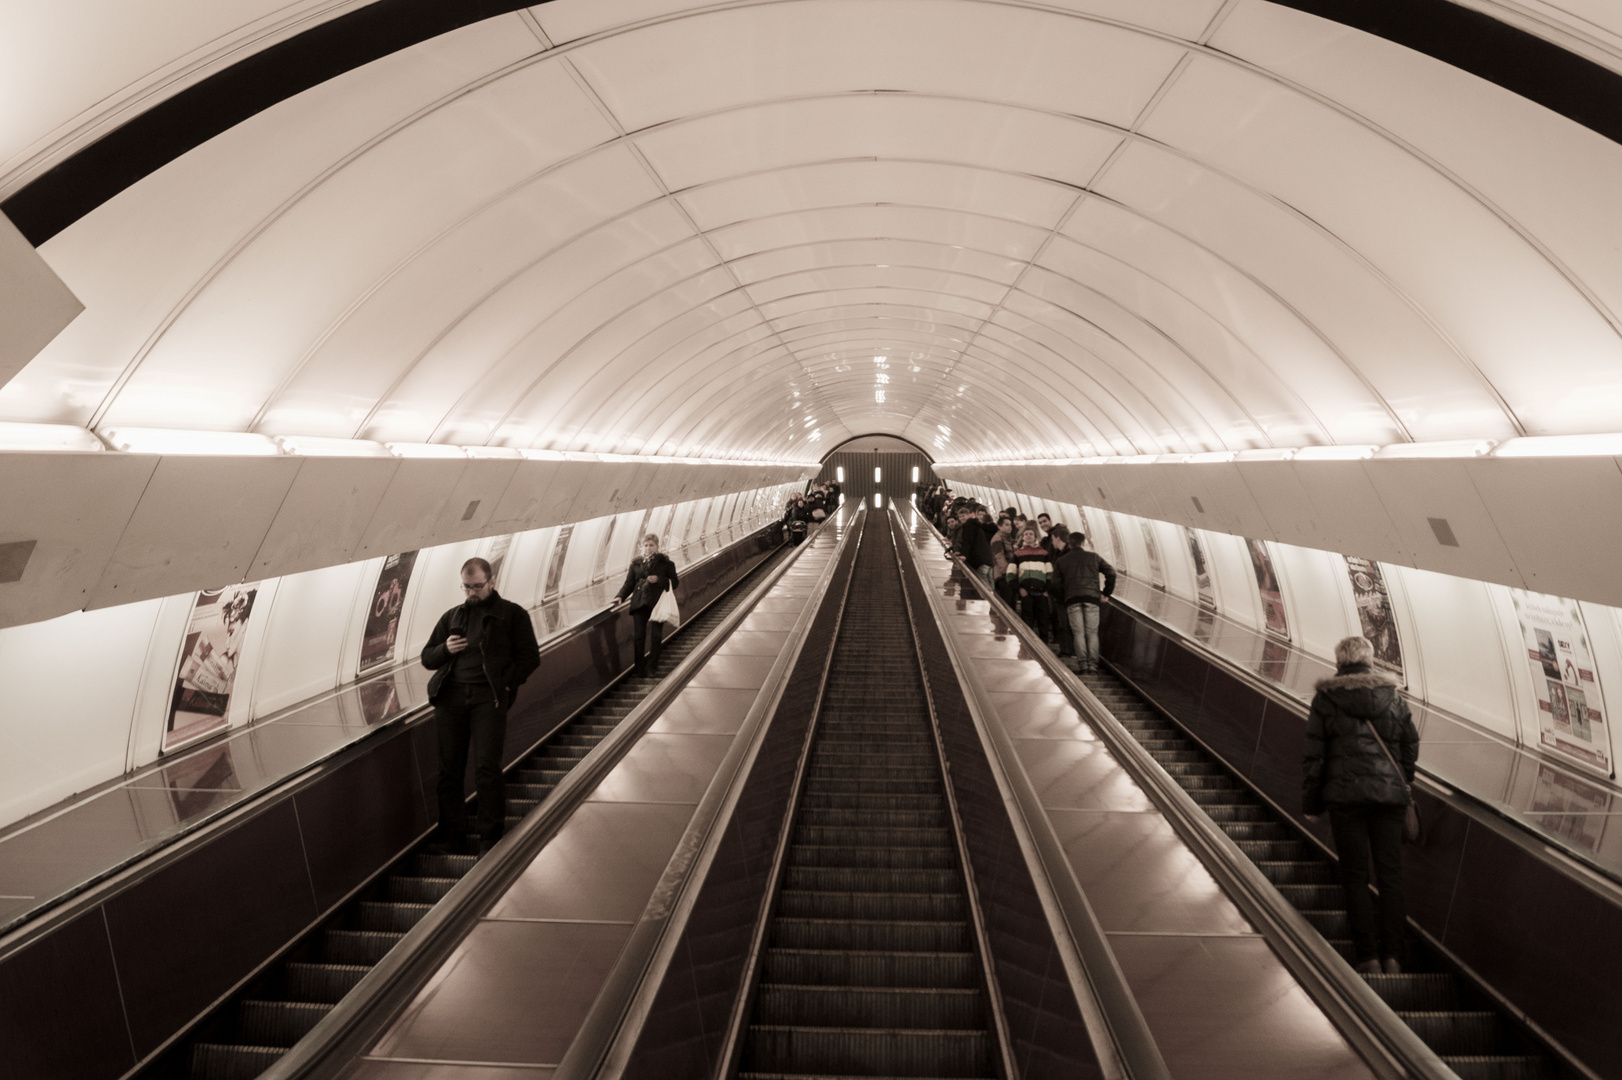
886, 858
870, 880
1506, 1067
326, 983
446, 866
799, 903
1416, 993
357, 946
1462, 1033
278, 1023
1312, 897
881, 819
867, 1052
880, 935
845, 968
214, 1061
393, 918
870, 1006
1297, 873
898, 836
818, 786
869, 801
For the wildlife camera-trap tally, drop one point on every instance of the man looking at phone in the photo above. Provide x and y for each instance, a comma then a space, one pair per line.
480, 652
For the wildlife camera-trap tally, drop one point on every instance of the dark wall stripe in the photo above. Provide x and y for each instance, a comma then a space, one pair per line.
148, 142
1524, 63
1562, 81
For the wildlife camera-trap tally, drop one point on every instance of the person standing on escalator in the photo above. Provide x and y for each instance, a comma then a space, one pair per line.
480, 652
1347, 772
650, 575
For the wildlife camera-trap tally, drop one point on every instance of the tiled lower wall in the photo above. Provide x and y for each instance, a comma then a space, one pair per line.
1538, 934
89, 998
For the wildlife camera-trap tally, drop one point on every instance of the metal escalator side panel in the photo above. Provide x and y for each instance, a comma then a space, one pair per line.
1020, 868
354, 1024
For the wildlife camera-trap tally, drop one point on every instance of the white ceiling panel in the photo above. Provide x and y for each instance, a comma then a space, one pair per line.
988, 52
1484, 285
915, 127
931, 225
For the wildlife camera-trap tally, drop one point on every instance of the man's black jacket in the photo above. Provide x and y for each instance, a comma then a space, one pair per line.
503, 633
974, 542
645, 593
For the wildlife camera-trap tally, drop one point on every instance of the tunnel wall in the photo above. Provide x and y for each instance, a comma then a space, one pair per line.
88, 694
1459, 642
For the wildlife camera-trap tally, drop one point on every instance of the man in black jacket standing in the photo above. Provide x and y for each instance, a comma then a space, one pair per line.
480, 652
974, 540
1075, 574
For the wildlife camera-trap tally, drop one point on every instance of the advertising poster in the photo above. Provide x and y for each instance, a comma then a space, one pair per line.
599, 564
208, 664
1571, 710
1117, 551
383, 617
1157, 572
1570, 808
1202, 571
1271, 592
554, 566
1374, 612
498, 555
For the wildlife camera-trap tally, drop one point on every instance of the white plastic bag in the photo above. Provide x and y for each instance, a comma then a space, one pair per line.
665, 611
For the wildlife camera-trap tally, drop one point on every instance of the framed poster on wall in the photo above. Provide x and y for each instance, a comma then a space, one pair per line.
1267, 584
1571, 708
208, 664
1203, 586
377, 641
1157, 572
1374, 612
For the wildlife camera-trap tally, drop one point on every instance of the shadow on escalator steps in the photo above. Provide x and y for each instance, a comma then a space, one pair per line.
1443, 1008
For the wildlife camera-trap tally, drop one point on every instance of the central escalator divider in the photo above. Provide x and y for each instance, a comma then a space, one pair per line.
871, 966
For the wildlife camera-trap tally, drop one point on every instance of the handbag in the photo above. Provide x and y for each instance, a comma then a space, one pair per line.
666, 611
1413, 829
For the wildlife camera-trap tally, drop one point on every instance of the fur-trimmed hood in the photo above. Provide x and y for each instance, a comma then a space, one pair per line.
1358, 680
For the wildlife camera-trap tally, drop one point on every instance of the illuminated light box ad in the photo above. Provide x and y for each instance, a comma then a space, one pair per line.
1571, 709
208, 665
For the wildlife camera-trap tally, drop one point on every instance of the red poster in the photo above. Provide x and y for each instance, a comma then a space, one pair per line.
383, 618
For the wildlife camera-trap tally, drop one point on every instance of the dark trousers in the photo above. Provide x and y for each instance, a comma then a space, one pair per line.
1037, 613
468, 716
1365, 834
642, 642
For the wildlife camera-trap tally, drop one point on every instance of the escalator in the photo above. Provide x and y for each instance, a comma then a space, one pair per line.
1477, 1040
871, 965
250, 1032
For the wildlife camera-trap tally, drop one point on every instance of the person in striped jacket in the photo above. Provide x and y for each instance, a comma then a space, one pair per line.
1030, 572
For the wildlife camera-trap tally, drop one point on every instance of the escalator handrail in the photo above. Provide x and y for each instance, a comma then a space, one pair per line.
1387, 1045
355, 1023
602, 1048
1120, 1034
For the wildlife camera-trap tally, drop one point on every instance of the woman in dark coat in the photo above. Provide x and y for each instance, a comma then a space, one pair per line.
1346, 773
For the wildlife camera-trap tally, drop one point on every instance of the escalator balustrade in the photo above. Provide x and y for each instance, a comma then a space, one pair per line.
249, 1034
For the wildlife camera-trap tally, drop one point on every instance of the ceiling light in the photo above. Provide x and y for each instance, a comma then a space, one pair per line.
1335, 453
59, 437
1560, 446
311, 446
175, 441
425, 450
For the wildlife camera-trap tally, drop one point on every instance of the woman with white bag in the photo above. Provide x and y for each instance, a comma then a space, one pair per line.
650, 593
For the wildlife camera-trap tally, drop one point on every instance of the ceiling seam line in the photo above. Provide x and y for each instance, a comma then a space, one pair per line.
596, 99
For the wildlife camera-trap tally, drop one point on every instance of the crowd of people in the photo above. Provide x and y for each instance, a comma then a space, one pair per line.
1043, 569
819, 501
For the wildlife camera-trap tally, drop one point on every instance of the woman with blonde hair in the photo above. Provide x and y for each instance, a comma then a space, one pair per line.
1361, 749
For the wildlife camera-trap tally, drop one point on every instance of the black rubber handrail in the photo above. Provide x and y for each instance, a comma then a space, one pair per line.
359, 1020
602, 1047
1120, 1034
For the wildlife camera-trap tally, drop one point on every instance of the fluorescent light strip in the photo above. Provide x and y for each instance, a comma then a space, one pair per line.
47, 437
1602, 445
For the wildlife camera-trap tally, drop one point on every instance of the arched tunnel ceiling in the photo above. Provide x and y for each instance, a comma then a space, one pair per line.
998, 230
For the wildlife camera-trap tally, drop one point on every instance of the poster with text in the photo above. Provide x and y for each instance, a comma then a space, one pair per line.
1374, 612
1117, 550
1571, 709
378, 640
1157, 572
1272, 594
208, 663
1202, 571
